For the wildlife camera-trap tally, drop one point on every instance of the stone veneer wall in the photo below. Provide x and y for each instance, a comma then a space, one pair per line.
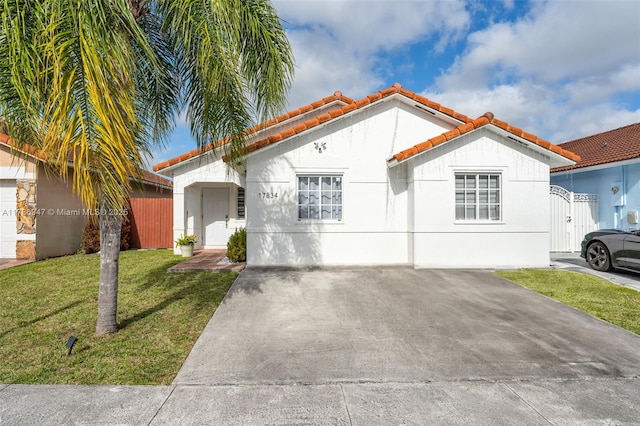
26, 218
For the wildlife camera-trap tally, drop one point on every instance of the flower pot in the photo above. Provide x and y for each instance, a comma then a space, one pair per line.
187, 250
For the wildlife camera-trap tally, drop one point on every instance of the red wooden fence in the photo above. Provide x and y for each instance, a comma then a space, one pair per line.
151, 221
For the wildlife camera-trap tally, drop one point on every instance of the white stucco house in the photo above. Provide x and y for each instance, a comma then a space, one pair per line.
393, 178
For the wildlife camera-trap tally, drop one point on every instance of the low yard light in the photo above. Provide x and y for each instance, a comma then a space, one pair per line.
72, 341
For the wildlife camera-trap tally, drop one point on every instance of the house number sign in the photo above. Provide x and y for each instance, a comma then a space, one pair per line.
267, 195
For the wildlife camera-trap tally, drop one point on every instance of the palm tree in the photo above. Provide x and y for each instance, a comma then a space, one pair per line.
96, 84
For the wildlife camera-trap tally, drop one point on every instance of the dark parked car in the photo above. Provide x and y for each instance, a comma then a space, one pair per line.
612, 248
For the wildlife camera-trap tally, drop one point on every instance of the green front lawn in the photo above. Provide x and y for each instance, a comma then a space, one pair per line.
161, 315
596, 296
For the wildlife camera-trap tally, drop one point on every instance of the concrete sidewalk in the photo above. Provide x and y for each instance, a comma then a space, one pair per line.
602, 401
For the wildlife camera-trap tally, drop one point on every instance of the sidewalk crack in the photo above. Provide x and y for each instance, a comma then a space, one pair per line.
346, 406
527, 403
173, 388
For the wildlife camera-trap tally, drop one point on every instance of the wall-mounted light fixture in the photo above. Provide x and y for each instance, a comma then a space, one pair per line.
614, 189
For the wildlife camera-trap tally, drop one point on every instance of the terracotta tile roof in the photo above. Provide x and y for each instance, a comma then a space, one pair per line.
145, 175
154, 179
337, 96
323, 118
483, 120
25, 148
603, 148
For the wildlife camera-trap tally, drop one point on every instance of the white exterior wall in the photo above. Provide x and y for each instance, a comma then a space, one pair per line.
375, 198
189, 179
520, 239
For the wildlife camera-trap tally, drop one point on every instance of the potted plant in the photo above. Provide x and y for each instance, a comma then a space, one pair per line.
186, 243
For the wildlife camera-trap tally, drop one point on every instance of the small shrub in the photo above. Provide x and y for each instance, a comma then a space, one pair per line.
237, 246
91, 237
186, 240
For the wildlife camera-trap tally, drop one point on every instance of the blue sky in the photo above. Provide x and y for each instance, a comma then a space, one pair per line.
558, 69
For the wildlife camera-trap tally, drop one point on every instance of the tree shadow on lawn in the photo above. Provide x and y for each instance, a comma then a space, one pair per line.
199, 289
42, 317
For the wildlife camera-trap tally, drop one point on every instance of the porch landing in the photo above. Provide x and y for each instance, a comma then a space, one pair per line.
10, 263
207, 260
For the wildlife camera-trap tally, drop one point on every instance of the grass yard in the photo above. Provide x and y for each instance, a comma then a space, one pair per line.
161, 315
610, 302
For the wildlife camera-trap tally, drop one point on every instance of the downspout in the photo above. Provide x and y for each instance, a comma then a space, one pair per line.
624, 193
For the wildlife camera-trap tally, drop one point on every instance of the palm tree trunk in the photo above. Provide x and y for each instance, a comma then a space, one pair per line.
110, 230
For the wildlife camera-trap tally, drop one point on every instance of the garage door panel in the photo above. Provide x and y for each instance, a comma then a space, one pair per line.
7, 218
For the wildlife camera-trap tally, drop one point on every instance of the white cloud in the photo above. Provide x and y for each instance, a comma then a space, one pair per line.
555, 72
537, 109
556, 40
340, 45
559, 69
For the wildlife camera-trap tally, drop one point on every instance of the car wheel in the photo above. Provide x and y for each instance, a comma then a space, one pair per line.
598, 257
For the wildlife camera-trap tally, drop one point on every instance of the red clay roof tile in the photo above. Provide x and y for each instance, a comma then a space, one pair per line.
300, 127
145, 175
336, 113
321, 118
483, 120
603, 148
287, 133
350, 106
437, 140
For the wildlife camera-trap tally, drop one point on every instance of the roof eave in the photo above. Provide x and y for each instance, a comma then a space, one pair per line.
557, 160
596, 166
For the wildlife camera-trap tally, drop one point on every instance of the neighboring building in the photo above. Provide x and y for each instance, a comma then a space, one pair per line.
609, 167
41, 217
393, 178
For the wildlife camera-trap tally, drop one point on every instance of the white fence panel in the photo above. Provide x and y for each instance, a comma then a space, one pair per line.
586, 218
572, 216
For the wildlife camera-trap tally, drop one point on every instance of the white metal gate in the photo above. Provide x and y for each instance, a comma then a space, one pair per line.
572, 216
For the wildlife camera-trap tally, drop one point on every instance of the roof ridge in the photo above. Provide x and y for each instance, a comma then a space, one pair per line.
396, 88
350, 106
337, 96
611, 146
601, 133
483, 120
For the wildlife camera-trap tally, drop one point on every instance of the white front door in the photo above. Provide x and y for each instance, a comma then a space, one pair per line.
215, 211
7, 218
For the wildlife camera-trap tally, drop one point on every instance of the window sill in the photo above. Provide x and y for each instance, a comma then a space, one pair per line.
479, 222
301, 222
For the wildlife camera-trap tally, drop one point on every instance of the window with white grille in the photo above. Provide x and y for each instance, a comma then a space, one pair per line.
319, 197
478, 197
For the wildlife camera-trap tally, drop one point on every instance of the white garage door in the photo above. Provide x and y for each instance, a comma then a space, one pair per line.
7, 218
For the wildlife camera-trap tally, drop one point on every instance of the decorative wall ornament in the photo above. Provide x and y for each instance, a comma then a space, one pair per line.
320, 146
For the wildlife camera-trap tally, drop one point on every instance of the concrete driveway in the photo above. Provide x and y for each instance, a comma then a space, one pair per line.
400, 325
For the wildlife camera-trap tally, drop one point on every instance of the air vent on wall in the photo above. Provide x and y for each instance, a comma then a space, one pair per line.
424, 109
